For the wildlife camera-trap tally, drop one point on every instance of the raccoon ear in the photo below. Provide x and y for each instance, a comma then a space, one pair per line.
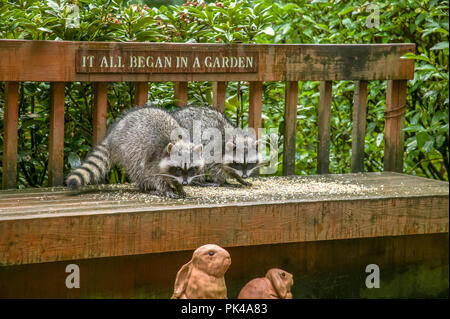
198, 148
169, 148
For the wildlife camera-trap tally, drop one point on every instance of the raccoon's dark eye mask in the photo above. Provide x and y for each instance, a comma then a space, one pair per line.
192, 171
242, 166
176, 171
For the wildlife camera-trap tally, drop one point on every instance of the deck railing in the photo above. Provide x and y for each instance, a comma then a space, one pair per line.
58, 62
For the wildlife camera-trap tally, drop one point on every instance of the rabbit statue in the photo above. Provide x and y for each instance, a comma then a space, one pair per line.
275, 285
203, 276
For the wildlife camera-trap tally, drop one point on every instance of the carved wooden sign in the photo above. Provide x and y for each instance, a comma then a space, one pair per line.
105, 61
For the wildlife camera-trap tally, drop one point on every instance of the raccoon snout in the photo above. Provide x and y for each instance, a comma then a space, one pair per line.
244, 175
184, 183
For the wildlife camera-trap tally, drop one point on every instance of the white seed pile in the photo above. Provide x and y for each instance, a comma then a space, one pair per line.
263, 189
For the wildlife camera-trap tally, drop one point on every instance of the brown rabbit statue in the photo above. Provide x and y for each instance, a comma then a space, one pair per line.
275, 285
203, 276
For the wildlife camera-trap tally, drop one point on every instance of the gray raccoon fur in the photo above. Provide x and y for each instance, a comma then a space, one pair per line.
219, 170
141, 142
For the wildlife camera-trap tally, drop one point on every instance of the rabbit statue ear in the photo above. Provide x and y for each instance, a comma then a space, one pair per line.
274, 275
182, 280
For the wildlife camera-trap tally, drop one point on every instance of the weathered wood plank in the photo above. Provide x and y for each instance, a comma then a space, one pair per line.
290, 127
219, 96
60, 231
255, 106
56, 135
11, 120
67, 208
359, 126
319, 269
99, 110
181, 93
51, 202
415, 184
100, 235
141, 93
323, 147
393, 125
277, 62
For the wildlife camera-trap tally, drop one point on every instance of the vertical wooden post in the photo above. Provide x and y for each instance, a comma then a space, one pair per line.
140, 93
181, 93
99, 112
394, 122
219, 89
56, 137
359, 126
323, 148
255, 106
11, 120
290, 125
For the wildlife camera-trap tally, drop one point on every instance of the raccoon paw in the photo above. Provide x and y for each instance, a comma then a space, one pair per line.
178, 189
242, 181
182, 193
207, 184
168, 193
245, 183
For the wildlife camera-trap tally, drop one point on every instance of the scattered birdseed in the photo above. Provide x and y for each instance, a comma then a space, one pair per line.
273, 189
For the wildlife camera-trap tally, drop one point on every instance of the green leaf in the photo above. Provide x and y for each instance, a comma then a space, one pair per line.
428, 146
414, 128
346, 10
440, 46
269, 31
420, 18
440, 140
416, 57
44, 30
422, 138
379, 139
412, 145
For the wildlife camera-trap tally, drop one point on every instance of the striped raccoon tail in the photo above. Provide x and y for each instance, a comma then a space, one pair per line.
93, 169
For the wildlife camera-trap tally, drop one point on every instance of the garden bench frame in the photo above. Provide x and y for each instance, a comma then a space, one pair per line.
393, 230
54, 62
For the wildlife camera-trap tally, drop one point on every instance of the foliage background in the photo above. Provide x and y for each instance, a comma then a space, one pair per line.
423, 22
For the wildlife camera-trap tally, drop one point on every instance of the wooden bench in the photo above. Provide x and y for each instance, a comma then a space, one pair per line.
130, 245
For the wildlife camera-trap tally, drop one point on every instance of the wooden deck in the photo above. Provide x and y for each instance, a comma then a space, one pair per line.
323, 229
44, 225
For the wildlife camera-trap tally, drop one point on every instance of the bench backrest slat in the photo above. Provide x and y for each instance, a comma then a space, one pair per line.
141, 94
359, 126
99, 111
11, 118
219, 95
56, 134
290, 127
181, 93
255, 105
393, 127
323, 147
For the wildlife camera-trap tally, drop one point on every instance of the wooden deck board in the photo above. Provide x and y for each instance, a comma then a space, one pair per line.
45, 225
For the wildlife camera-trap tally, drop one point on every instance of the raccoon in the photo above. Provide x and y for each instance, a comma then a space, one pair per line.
145, 142
238, 167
